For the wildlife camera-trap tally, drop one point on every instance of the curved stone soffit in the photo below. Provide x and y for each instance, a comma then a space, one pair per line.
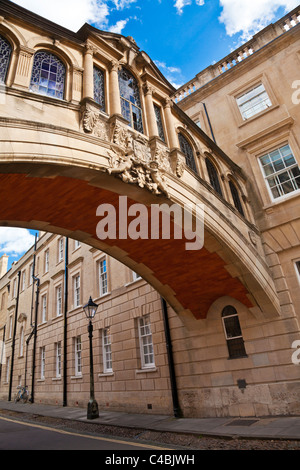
188, 280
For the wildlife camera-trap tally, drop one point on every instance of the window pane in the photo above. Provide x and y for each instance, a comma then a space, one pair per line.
253, 101
159, 123
130, 100
99, 93
186, 148
285, 170
5, 54
42, 80
213, 176
236, 348
232, 327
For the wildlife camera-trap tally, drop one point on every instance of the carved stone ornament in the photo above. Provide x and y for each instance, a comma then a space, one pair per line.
133, 162
180, 166
93, 123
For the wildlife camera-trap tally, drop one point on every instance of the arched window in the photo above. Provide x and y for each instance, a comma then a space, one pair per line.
48, 75
233, 333
99, 92
186, 148
5, 54
236, 198
213, 176
130, 100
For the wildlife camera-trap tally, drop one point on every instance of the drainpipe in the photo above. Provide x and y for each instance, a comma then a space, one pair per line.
33, 274
65, 324
14, 339
2, 351
35, 336
209, 123
176, 407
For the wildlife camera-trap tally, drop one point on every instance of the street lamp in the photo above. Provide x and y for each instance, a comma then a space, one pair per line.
90, 310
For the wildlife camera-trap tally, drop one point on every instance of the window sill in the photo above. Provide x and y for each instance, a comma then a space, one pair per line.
76, 377
142, 371
106, 374
282, 199
56, 379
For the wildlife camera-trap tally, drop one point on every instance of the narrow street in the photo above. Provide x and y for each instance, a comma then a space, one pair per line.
20, 435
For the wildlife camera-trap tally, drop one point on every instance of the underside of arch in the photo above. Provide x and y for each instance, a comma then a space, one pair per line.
188, 280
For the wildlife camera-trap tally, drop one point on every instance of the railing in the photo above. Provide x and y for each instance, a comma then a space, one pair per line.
246, 50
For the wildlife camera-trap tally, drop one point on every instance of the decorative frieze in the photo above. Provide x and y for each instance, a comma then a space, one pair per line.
93, 122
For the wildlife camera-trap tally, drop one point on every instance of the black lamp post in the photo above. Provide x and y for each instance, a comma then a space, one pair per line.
90, 310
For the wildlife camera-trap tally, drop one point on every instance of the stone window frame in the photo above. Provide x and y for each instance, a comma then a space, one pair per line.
276, 136
284, 196
229, 338
209, 157
106, 370
239, 204
181, 131
232, 99
97, 65
144, 365
56, 358
131, 72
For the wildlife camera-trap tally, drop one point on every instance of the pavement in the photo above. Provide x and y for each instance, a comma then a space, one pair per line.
279, 427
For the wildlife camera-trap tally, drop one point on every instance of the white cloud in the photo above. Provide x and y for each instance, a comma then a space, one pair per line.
121, 4
250, 16
71, 14
15, 241
119, 26
180, 4
163, 65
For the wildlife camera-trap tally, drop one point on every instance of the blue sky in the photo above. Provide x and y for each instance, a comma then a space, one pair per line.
181, 36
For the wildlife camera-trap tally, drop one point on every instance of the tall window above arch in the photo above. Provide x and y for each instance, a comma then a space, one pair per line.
233, 333
48, 75
99, 91
130, 100
236, 198
213, 176
5, 54
186, 148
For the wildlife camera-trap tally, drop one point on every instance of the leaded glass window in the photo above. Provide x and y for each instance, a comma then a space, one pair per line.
236, 198
233, 332
5, 53
48, 75
186, 148
159, 122
99, 92
213, 176
130, 100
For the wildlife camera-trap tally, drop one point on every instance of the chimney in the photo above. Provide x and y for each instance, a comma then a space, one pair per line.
3, 265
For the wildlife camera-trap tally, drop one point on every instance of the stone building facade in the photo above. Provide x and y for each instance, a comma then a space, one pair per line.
94, 100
